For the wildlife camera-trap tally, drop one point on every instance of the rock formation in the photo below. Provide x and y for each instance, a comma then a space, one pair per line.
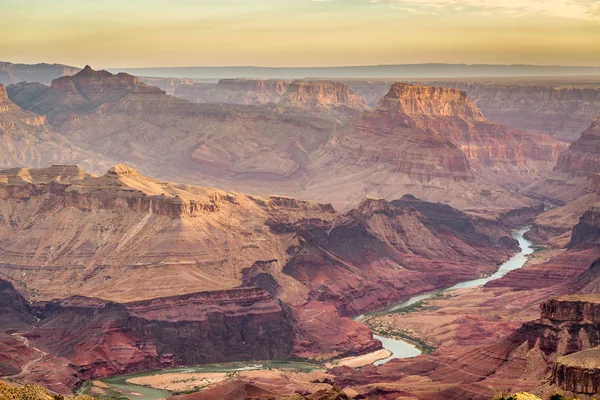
322, 98
428, 100
579, 372
469, 162
559, 110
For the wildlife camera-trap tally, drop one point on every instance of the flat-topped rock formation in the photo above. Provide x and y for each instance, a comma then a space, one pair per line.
510, 155
581, 308
428, 100
578, 372
322, 98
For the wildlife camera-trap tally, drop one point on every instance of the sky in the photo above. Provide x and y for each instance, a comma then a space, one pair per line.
151, 33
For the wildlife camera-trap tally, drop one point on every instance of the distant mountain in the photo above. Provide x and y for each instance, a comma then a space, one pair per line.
43, 73
372, 71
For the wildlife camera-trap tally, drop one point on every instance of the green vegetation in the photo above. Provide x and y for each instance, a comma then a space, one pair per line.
393, 333
32, 392
423, 305
537, 248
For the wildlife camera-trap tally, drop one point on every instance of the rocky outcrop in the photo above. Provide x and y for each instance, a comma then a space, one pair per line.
562, 111
587, 231
578, 373
437, 133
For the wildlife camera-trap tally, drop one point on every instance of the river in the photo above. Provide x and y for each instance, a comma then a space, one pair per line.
398, 348
402, 349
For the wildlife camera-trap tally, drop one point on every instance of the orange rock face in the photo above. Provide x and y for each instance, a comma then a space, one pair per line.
428, 100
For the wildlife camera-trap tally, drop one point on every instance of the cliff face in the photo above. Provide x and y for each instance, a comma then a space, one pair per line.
578, 373
559, 111
452, 115
439, 133
575, 186
91, 338
587, 231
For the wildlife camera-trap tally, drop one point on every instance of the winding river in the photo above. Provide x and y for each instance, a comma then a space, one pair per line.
398, 348
402, 349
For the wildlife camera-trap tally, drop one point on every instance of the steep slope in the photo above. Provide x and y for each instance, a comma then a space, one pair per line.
559, 110
43, 73
27, 139
572, 185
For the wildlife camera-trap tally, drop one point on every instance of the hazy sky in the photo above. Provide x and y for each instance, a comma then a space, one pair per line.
135, 33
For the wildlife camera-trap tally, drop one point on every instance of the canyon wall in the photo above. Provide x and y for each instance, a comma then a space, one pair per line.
563, 112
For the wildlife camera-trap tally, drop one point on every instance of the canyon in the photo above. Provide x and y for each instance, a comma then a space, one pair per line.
128, 262
299, 205
431, 142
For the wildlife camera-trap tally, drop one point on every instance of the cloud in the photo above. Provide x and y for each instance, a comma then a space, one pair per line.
571, 9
